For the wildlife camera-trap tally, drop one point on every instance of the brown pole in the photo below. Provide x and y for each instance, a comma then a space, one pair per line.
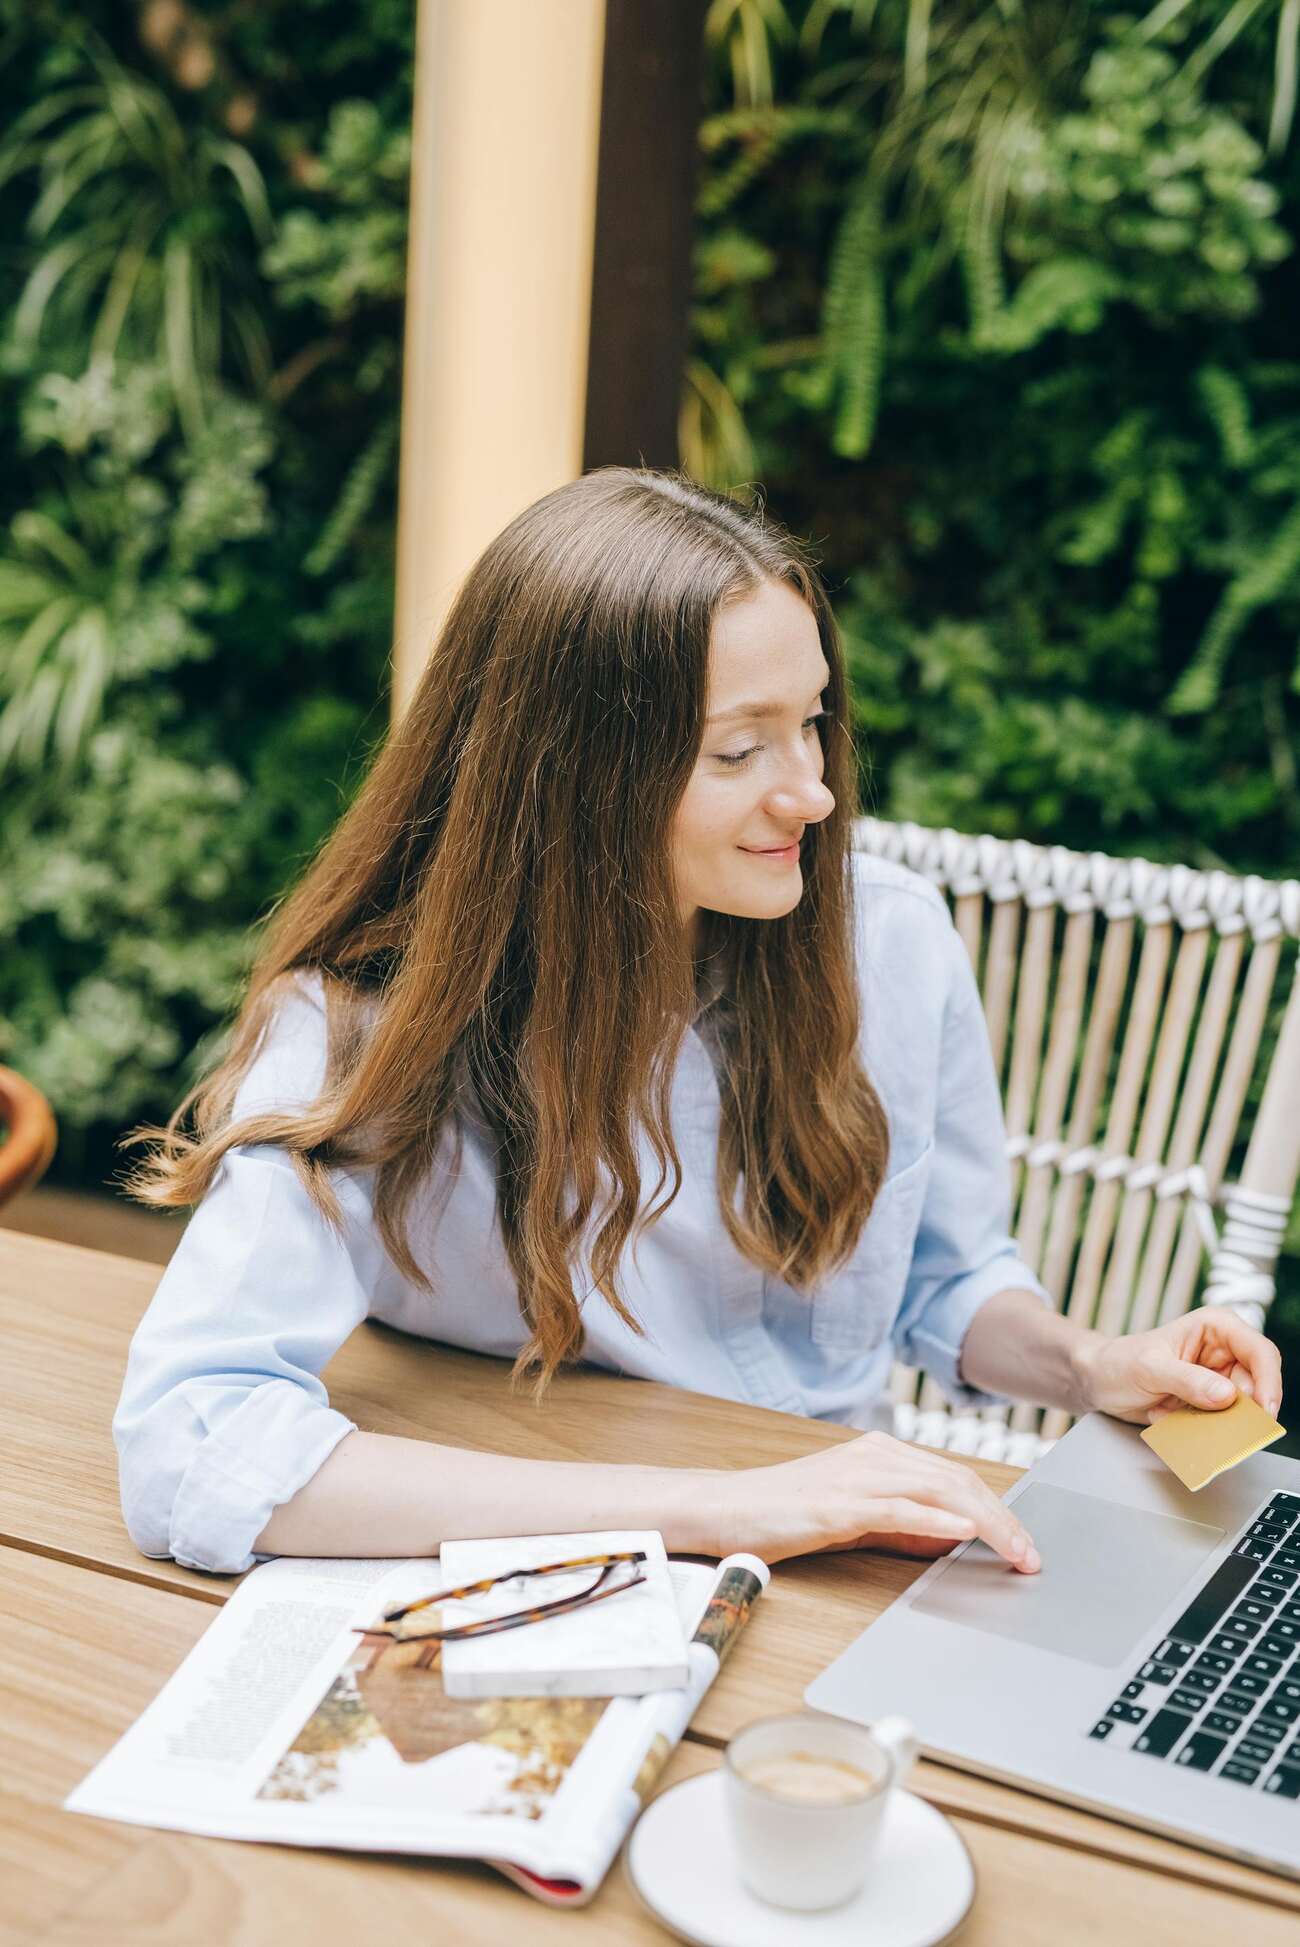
641, 277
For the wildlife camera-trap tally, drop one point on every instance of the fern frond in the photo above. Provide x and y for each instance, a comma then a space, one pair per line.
1227, 407
357, 496
853, 317
1268, 576
767, 134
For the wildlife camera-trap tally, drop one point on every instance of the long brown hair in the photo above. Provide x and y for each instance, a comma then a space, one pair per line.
496, 910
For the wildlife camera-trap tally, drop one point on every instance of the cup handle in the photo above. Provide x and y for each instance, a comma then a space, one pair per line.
899, 1739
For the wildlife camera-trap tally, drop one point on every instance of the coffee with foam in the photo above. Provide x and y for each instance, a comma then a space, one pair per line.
805, 1778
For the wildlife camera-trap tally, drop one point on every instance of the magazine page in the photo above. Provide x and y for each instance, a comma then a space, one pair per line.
197, 1756
285, 1724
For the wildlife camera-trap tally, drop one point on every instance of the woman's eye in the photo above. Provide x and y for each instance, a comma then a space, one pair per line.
742, 756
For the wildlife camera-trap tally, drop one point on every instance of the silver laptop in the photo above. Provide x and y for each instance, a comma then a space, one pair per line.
1151, 1671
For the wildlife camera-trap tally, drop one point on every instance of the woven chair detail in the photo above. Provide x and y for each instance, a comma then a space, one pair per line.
1128, 1007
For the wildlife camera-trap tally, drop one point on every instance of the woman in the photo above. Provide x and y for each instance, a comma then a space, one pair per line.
586, 1035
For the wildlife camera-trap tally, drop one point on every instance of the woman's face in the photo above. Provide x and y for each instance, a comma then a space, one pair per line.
758, 782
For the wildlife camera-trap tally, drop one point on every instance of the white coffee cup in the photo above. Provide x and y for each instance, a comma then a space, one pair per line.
807, 1795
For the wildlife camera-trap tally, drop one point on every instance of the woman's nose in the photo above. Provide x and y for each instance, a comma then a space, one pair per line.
803, 797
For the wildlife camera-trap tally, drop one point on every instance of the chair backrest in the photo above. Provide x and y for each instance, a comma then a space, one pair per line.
1142, 1017
30, 1134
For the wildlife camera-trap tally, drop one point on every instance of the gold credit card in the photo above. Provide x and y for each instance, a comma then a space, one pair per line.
1197, 1445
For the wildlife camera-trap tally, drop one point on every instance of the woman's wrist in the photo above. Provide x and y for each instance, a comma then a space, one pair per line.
1083, 1358
1024, 1349
696, 1510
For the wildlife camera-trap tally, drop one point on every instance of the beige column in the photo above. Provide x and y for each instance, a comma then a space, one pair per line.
503, 194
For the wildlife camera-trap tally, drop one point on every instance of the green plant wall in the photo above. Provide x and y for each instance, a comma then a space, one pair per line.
200, 329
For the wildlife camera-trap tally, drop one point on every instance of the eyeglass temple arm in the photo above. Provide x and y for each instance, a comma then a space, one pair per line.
492, 1625
488, 1582
594, 1594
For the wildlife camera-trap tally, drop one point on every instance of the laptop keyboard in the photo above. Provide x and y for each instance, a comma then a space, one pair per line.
1221, 1692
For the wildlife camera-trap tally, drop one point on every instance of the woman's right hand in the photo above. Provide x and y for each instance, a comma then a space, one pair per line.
872, 1492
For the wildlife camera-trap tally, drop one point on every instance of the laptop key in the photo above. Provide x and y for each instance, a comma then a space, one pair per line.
1189, 1701
1288, 1503
1292, 1753
1103, 1727
1255, 1750
1132, 1690
1278, 1711
1253, 1551
1288, 1690
1279, 1578
1285, 1781
1126, 1713
1172, 1652
1158, 1672
1238, 1626
1268, 1730
1233, 1700
1162, 1733
1201, 1751
1202, 1615
1266, 1531
1228, 1645
1257, 1665
1241, 1774
1254, 1611
1288, 1556
1222, 1722
1204, 1680
1283, 1627
1211, 1660
1276, 1644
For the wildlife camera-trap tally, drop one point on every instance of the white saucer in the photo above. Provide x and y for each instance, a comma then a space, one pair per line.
681, 1862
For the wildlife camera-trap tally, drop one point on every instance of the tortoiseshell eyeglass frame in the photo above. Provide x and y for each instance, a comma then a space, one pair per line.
490, 1624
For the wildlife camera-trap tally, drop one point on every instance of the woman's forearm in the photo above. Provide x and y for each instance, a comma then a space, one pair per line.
1016, 1346
379, 1494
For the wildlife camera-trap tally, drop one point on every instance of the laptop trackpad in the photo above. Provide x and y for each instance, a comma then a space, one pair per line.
1108, 1571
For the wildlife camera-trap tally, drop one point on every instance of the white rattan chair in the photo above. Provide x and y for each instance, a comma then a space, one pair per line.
1140, 1016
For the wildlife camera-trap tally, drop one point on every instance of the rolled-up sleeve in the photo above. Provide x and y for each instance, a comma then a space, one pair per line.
964, 1253
223, 1415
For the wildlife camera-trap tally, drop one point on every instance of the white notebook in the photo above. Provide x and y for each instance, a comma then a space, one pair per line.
621, 1646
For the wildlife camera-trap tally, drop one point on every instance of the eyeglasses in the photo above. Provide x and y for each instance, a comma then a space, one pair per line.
612, 1574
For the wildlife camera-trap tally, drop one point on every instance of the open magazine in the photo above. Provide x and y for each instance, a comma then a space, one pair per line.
284, 1725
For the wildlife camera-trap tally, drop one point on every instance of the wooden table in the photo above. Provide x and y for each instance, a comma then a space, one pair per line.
91, 1629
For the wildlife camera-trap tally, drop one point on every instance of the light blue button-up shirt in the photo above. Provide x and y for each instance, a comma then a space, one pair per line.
223, 1415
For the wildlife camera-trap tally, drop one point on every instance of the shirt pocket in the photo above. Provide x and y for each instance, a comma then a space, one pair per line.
860, 1303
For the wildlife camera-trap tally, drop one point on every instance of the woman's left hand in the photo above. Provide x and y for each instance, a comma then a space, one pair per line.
1187, 1362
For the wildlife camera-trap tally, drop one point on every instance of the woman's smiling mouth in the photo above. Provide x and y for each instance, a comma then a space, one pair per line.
784, 854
